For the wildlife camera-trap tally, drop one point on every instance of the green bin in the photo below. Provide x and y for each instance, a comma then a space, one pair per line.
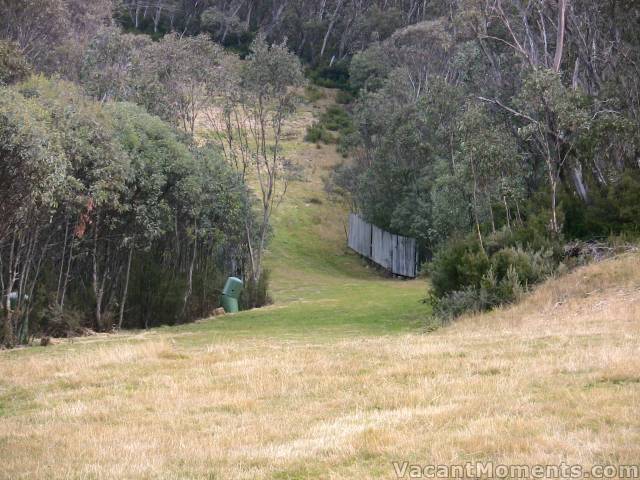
230, 294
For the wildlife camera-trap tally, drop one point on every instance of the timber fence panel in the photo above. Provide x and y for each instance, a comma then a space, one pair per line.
395, 253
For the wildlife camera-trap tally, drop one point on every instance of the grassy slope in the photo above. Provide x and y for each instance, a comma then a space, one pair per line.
336, 380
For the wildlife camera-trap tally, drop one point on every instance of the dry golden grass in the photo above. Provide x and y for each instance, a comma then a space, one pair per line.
556, 378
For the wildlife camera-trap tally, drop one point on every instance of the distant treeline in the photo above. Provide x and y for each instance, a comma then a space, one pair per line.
316, 30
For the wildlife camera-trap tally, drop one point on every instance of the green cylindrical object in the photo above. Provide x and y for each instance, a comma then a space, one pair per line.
230, 294
229, 304
233, 287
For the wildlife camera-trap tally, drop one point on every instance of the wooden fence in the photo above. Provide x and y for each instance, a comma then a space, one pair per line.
395, 253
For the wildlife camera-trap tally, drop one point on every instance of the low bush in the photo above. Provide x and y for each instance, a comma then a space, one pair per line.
59, 323
344, 97
331, 76
466, 278
334, 119
256, 295
313, 94
317, 133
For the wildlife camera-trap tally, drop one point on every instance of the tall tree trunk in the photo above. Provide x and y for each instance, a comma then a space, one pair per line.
125, 290
189, 290
493, 220
67, 275
8, 333
554, 205
62, 258
578, 182
332, 22
475, 204
97, 290
507, 212
562, 11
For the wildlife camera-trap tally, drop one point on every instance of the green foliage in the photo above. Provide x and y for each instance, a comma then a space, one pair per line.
109, 62
13, 66
344, 97
146, 225
33, 162
369, 68
335, 76
334, 126
317, 133
461, 264
313, 93
336, 119
97, 162
271, 70
466, 278
174, 77
256, 294
466, 133
612, 210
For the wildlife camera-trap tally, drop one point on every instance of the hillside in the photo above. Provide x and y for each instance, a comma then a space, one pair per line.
556, 378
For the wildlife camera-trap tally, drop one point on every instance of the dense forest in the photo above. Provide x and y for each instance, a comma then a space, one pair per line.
492, 131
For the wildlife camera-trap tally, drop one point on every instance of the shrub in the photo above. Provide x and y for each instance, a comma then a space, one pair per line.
491, 293
313, 93
466, 278
461, 264
59, 323
334, 119
256, 295
316, 133
530, 267
334, 76
344, 97
457, 303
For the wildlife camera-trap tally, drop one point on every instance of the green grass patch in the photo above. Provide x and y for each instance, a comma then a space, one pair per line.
15, 401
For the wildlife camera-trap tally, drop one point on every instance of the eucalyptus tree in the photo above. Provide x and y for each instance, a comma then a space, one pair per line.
259, 97
109, 62
110, 216
156, 159
269, 81
488, 157
32, 172
175, 77
13, 66
53, 34
98, 168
